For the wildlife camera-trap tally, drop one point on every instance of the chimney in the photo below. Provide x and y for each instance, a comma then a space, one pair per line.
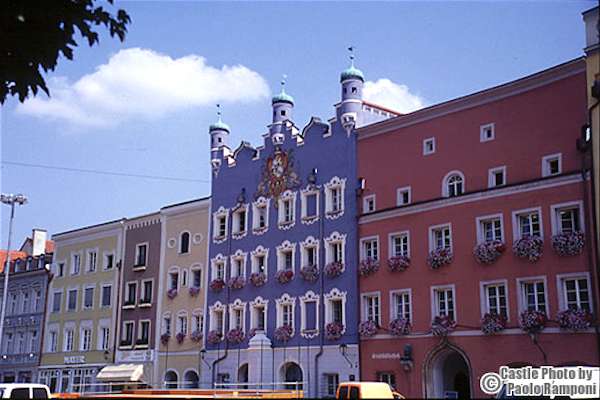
38, 239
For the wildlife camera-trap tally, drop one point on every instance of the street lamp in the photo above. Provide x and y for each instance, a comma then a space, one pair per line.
11, 200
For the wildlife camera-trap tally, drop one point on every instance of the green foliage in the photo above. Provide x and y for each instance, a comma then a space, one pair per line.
33, 35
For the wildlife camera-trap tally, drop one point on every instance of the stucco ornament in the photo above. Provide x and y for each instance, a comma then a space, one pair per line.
398, 263
489, 251
400, 326
568, 244
367, 328
532, 321
442, 325
575, 319
235, 336
529, 247
278, 175
283, 333
492, 323
333, 330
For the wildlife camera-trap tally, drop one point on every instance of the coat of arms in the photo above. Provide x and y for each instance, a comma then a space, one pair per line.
278, 175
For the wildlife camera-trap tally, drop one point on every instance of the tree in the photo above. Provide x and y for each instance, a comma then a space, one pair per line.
33, 35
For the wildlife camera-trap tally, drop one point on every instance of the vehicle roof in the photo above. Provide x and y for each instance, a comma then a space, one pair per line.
22, 385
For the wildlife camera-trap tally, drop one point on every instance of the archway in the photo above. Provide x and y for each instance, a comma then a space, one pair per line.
448, 374
171, 380
291, 372
191, 380
243, 376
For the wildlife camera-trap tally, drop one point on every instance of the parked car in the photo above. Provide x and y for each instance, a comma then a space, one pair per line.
24, 391
366, 390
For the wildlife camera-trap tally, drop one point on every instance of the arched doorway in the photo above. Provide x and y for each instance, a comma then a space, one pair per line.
448, 374
171, 380
191, 380
243, 376
291, 372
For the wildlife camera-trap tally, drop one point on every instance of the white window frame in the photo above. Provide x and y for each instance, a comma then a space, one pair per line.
82, 342
127, 291
482, 132
261, 203
219, 259
235, 306
426, 151
483, 295
435, 311
69, 290
105, 256
309, 243
281, 250
236, 233
393, 304
562, 292
286, 299
238, 256
140, 267
333, 295
85, 288
180, 243
124, 330
309, 297
400, 198
88, 263
546, 167
522, 302
102, 286
139, 333
335, 183
492, 176
363, 309
391, 244
260, 251
217, 307
193, 269
446, 181
66, 348
555, 219
517, 226
222, 212
363, 246
287, 196
432, 240
366, 200
182, 315
254, 305
479, 221
304, 193
333, 238
142, 290
197, 321
79, 256
166, 327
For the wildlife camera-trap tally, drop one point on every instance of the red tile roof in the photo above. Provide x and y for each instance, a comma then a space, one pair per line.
13, 256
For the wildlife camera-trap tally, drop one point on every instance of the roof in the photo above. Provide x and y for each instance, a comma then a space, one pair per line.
13, 256
186, 202
49, 248
352, 73
219, 125
377, 106
282, 97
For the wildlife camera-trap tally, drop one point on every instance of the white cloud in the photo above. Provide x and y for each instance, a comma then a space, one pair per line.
142, 83
388, 94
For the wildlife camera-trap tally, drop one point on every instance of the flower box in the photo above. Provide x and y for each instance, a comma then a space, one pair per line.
196, 336
439, 257
164, 338
488, 252
398, 263
309, 273
214, 337
568, 244
171, 293
235, 336
333, 331
194, 291
400, 326
442, 325
367, 328
236, 282
251, 333
258, 278
180, 336
368, 266
334, 269
529, 247
575, 319
283, 276
532, 321
283, 333
217, 284
493, 323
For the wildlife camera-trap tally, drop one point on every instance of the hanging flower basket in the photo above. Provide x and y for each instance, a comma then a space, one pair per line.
284, 276
334, 269
194, 291
488, 252
251, 333
368, 266
568, 244
367, 328
532, 321
164, 338
529, 247
236, 282
439, 257
235, 336
258, 278
214, 337
575, 319
400, 326
180, 336
309, 273
398, 263
442, 325
283, 333
493, 323
217, 284
171, 293
333, 331
196, 336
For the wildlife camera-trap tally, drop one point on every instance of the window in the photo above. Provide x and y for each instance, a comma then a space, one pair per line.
21, 343
528, 223
332, 382
197, 322
238, 264
285, 310
428, 146
109, 261
286, 208
141, 254
167, 325
575, 293
56, 300
37, 300
444, 302
533, 295
219, 270
403, 196
371, 308
182, 324
486, 133
237, 318
239, 221
197, 278
401, 307
127, 336
259, 317
104, 338
218, 321
92, 260
490, 228
8, 343
260, 211
68, 342
106, 295
552, 165
287, 313
370, 248
53, 342
13, 303
285, 256
221, 226
453, 184
33, 343
72, 300
310, 205
387, 377
566, 218
173, 280
88, 298
497, 177
334, 197
76, 264
144, 333
368, 204
146, 292
60, 270
399, 244
495, 299
184, 243
337, 314
25, 303
86, 339
131, 294
440, 237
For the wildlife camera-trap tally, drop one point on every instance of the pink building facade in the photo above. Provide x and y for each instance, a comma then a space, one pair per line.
479, 221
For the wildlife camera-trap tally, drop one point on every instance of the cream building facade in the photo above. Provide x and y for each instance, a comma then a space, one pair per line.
181, 294
81, 312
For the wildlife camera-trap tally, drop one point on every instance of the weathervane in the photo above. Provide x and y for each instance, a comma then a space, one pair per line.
283, 78
219, 111
351, 50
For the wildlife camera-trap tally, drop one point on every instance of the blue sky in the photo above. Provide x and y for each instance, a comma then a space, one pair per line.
144, 106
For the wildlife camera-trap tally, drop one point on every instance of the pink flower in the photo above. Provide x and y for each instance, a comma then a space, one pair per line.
214, 337
532, 321
310, 273
235, 336
258, 278
568, 244
493, 323
180, 336
367, 328
171, 293
196, 336
439, 257
164, 338
334, 269
529, 247
284, 276
333, 330
236, 282
575, 319
488, 252
283, 333
442, 325
368, 266
398, 263
217, 284
400, 326
194, 291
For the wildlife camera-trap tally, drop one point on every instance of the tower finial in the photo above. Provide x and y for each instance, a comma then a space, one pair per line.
351, 50
283, 81
219, 111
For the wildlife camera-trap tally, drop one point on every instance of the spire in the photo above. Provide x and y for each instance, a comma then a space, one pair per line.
283, 97
352, 72
219, 125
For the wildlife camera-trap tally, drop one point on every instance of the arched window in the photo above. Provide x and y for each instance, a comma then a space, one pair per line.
184, 243
454, 184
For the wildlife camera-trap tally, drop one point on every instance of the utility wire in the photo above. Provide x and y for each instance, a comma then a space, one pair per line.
99, 172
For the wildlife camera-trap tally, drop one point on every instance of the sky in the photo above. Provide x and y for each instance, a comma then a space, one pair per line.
143, 107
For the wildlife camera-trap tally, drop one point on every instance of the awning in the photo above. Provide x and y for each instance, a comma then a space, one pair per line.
121, 373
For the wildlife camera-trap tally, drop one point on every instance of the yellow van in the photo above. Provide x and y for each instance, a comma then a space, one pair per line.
366, 390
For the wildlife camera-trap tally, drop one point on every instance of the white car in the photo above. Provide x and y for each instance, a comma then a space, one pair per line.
24, 391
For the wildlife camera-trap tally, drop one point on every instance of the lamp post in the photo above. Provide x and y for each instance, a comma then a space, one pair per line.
11, 200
